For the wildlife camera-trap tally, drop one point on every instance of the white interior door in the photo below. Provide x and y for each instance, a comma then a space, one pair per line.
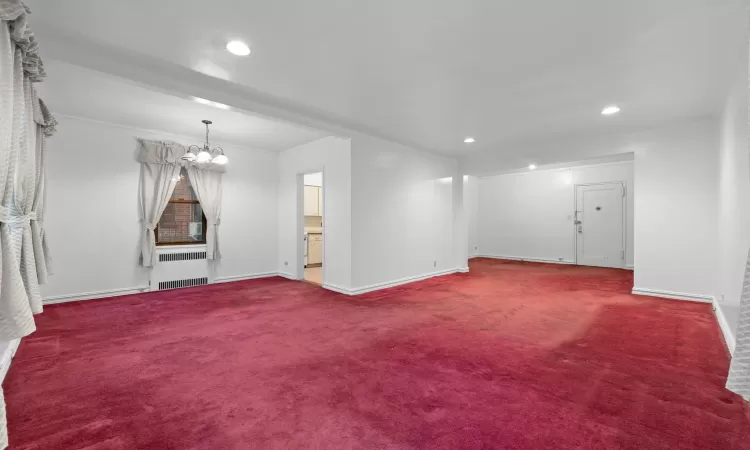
599, 225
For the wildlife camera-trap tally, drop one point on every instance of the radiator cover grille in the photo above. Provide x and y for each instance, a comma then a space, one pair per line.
175, 284
184, 256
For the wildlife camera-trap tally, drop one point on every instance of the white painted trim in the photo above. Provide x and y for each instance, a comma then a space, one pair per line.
726, 330
53, 299
7, 357
332, 287
167, 135
613, 160
388, 284
518, 258
336, 288
181, 248
250, 276
629, 267
673, 295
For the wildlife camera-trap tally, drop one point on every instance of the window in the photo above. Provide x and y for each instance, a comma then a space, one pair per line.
182, 222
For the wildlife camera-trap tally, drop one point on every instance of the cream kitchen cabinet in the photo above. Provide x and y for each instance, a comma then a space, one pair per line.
313, 201
314, 248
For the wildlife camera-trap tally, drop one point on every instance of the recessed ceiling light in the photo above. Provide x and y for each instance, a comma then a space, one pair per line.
203, 101
469, 140
238, 48
532, 166
609, 110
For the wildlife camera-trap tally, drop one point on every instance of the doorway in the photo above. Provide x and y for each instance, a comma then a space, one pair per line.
313, 227
600, 224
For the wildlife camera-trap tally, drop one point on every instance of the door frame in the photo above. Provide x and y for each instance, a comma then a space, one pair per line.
624, 186
300, 275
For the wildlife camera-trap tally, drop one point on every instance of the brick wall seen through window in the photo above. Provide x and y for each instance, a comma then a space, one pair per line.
183, 221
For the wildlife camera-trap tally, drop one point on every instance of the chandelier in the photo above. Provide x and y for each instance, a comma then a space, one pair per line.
204, 154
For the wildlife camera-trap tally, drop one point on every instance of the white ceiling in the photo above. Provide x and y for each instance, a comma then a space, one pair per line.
68, 90
422, 72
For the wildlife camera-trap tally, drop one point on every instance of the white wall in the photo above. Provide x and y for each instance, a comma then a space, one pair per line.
676, 221
332, 156
314, 179
403, 222
734, 195
673, 204
530, 214
92, 214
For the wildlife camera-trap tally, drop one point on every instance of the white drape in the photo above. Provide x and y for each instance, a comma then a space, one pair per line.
161, 162
207, 187
45, 127
157, 183
24, 124
739, 371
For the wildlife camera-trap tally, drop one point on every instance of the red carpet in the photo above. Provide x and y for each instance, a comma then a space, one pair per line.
511, 356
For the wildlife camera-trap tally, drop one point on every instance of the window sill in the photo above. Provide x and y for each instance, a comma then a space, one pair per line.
181, 248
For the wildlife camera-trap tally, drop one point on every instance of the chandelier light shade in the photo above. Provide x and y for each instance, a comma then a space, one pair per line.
203, 155
220, 159
190, 156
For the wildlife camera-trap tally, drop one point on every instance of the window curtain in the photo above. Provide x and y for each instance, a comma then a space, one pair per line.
739, 371
157, 183
25, 123
207, 186
161, 162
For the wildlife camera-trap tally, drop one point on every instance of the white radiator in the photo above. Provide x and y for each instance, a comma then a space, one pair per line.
179, 267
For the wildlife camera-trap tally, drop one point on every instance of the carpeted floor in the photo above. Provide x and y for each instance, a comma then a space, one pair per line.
510, 356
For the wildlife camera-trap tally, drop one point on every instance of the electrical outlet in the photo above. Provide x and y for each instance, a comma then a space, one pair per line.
434, 264
286, 263
475, 247
559, 259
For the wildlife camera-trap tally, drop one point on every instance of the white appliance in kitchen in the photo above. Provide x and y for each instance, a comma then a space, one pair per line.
313, 249
305, 238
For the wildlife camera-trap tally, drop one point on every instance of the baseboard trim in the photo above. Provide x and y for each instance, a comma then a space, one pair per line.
374, 287
629, 267
251, 276
519, 258
726, 330
674, 295
7, 357
336, 288
388, 284
54, 299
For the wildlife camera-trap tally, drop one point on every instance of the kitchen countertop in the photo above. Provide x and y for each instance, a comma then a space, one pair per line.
313, 230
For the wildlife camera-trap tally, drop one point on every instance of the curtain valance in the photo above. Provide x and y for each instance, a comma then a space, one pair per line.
16, 14
167, 152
